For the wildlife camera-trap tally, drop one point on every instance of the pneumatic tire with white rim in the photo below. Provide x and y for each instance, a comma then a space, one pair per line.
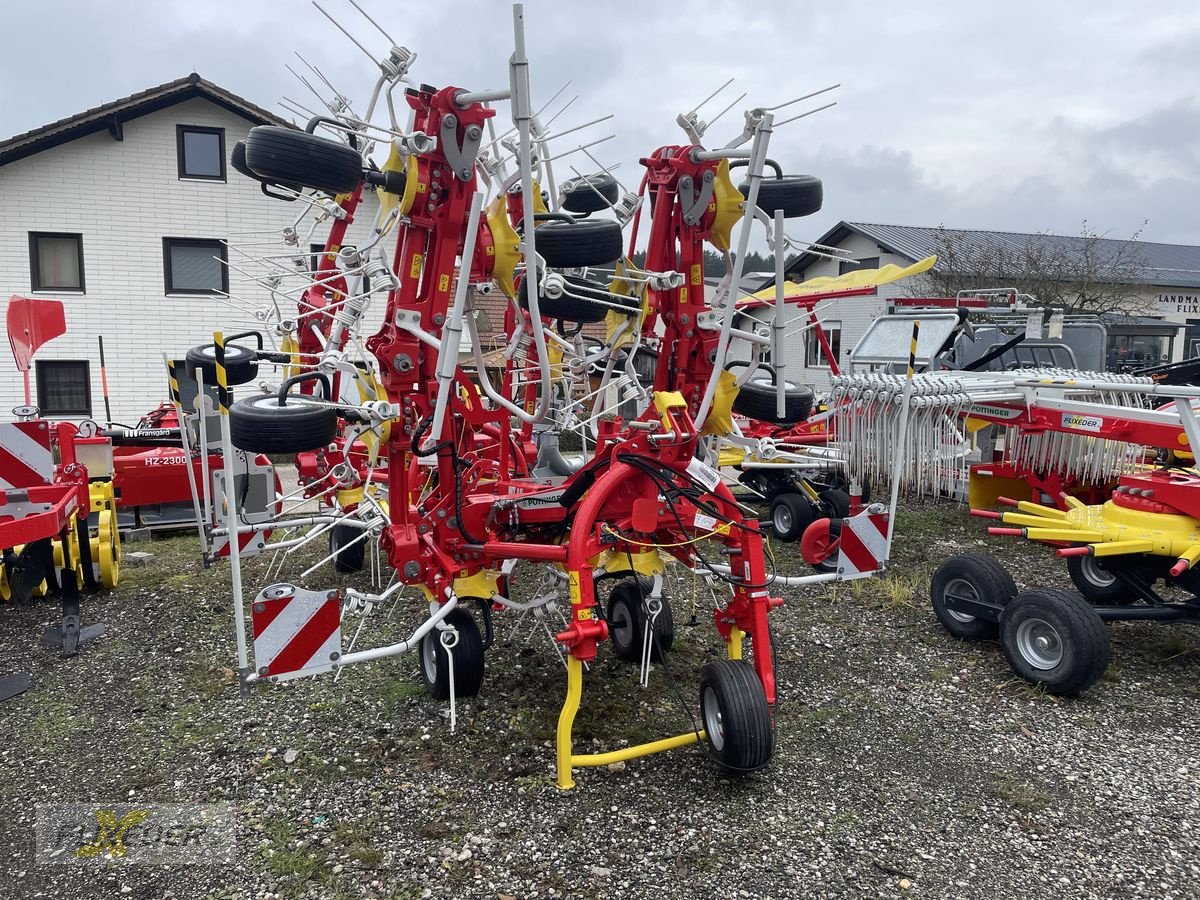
756, 398
972, 577
241, 364
627, 621
1096, 580
347, 547
287, 156
1053, 638
467, 653
261, 425
791, 513
795, 195
736, 717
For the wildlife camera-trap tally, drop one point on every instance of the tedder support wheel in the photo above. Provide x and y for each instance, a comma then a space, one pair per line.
819, 545
288, 156
791, 513
737, 720
467, 653
589, 193
796, 195
627, 621
1096, 578
241, 364
585, 242
261, 425
1053, 638
970, 578
756, 399
348, 553
837, 501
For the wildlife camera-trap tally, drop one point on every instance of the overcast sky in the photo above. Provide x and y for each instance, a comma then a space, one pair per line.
1009, 116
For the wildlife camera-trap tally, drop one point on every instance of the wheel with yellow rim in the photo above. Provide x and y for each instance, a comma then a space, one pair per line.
106, 550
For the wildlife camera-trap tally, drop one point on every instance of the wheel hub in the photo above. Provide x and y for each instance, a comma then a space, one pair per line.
959, 589
713, 726
1039, 643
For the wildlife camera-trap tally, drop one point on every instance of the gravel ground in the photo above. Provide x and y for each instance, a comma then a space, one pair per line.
906, 764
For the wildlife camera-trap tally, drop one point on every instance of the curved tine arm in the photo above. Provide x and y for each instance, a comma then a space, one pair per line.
597, 404
485, 380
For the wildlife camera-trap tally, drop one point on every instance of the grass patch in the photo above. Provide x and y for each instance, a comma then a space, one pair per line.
1025, 796
56, 722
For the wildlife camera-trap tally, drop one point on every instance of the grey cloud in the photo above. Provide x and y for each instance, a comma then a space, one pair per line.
1016, 116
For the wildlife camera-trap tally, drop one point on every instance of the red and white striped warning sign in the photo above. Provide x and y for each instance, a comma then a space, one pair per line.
25, 456
862, 548
296, 632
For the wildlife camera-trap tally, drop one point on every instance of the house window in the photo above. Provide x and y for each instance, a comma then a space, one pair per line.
315, 252
814, 353
850, 265
64, 387
194, 266
56, 261
201, 152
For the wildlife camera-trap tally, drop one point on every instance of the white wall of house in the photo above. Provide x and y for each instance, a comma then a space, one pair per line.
850, 315
124, 197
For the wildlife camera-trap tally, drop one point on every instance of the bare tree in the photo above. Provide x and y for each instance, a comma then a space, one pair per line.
1090, 273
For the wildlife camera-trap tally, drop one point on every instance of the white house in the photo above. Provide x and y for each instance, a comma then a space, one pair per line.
1167, 284
119, 212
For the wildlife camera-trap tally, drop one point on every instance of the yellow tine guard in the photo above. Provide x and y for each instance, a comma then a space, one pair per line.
1035, 521
1037, 509
1063, 534
1117, 548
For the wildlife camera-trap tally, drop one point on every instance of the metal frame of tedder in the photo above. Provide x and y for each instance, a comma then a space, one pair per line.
457, 480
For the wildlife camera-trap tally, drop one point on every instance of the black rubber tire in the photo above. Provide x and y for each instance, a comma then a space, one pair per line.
627, 621
237, 160
260, 425
574, 245
241, 364
796, 195
791, 513
837, 502
745, 738
288, 156
976, 573
589, 193
468, 659
1079, 636
756, 399
1093, 577
576, 309
347, 557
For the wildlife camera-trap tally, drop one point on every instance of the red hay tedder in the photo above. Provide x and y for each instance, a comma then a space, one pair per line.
411, 450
